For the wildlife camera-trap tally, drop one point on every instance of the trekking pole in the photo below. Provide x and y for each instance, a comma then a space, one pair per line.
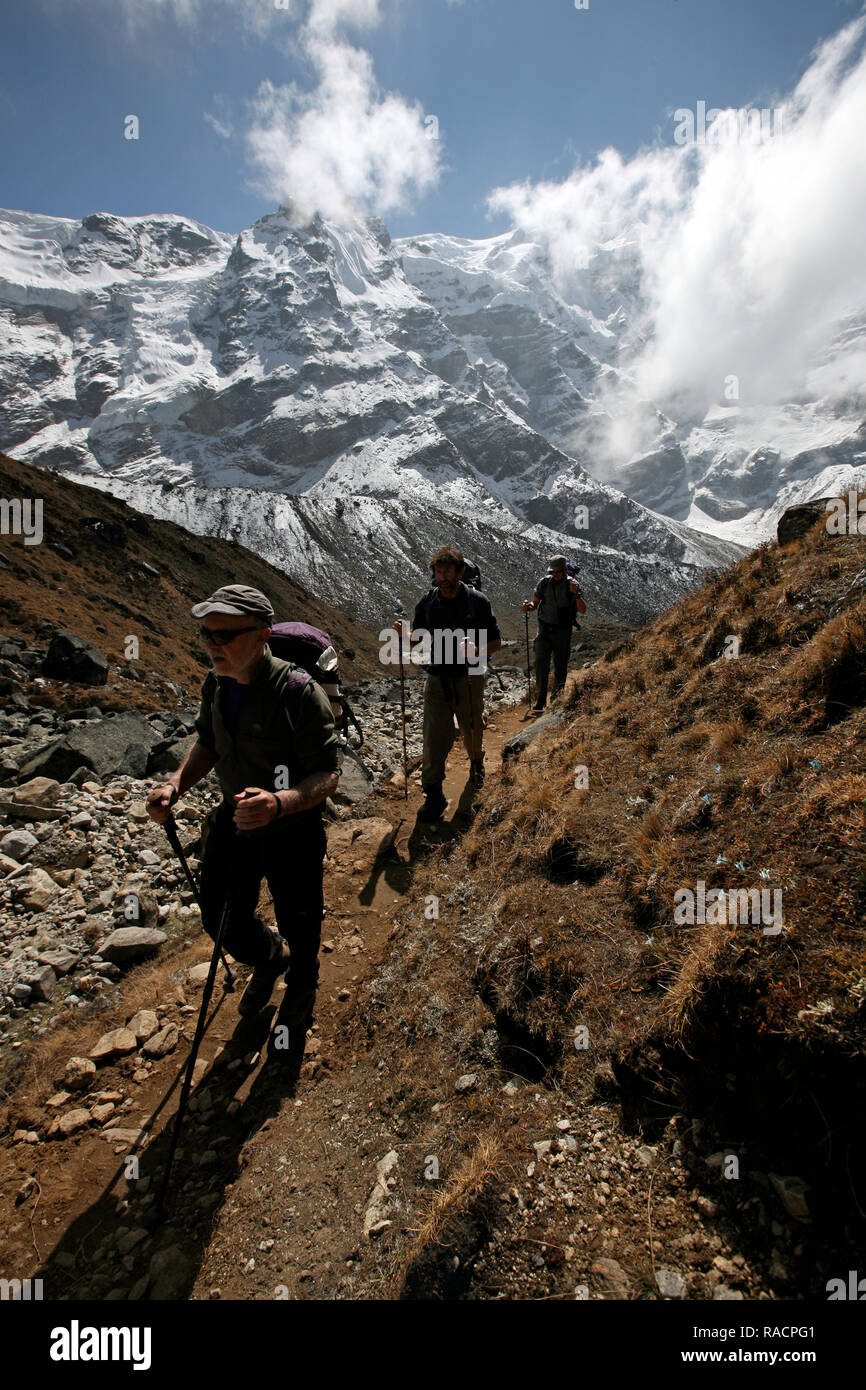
158, 1214
403, 718
170, 827
528, 676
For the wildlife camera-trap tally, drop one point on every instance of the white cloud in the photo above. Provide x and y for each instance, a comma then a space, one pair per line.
747, 254
327, 16
223, 128
344, 148
139, 16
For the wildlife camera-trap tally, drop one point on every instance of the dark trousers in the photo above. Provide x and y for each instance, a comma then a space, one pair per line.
551, 642
290, 858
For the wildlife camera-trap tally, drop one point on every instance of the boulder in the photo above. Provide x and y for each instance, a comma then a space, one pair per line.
128, 944
117, 744
167, 755
144, 1025
172, 1272
18, 844
796, 521
355, 781
118, 1042
521, 740
161, 1043
361, 839
793, 1193
79, 1073
28, 810
71, 1122
110, 532
39, 791
36, 889
122, 1136
671, 1283
72, 658
53, 759
145, 906
62, 962
41, 982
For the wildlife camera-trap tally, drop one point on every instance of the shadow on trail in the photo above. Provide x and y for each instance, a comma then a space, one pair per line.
110, 1251
427, 838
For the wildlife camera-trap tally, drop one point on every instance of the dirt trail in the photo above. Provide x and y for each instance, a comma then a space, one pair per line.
75, 1208
291, 1224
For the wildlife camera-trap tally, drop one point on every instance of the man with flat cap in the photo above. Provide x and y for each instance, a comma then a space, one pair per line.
558, 600
268, 731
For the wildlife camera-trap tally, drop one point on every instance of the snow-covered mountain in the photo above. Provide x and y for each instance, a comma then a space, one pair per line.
339, 402
557, 363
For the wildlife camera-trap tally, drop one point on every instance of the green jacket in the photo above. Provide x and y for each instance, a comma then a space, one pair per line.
285, 731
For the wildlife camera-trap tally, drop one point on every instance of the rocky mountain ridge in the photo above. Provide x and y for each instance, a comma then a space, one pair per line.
295, 390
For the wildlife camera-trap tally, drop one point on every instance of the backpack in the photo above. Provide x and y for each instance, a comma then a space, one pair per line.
311, 649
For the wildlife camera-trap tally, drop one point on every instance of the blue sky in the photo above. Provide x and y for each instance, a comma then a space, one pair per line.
521, 89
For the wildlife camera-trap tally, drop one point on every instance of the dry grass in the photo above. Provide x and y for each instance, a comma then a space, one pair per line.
727, 735
695, 972
471, 1179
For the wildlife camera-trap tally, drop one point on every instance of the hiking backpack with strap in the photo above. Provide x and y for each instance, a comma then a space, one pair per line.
312, 649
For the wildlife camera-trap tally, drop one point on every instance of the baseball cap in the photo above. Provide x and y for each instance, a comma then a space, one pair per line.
239, 600
556, 562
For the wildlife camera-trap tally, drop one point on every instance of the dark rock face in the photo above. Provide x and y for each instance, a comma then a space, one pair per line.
119, 744
72, 658
54, 759
167, 755
796, 521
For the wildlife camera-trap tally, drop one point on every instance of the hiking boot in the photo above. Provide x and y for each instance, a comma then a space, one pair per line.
293, 1018
434, 804
262, 981
537, 709
476, 772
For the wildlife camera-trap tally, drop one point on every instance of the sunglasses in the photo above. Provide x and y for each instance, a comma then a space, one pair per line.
221, 636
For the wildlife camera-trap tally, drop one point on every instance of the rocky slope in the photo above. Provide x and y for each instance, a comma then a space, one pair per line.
110, 573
